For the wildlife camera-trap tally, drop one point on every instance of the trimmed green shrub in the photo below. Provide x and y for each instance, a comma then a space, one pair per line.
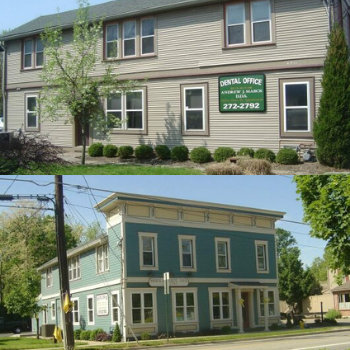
223, 153
117, 336
85, 335
144, 152
145, 336
333, 314
274, 327
163, 152
246, 152
125, 152
179, 153
332, 125
200, 155
287, 156
264, 153
226, 330
77, 334
96, 150
330, 321
94, 333
110, 151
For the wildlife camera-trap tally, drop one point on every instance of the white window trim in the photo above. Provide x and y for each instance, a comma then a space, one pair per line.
154, 298
91, 296
75, 311
155, 250
308, 107
275, 294
194, 256
76, 267
244, 26
113, 322
104, 258
53, 310
252, 23
220, 290
228, 257
174, 291
36, 127
49, 277
129, 39
36, 53
203, 109
264, 243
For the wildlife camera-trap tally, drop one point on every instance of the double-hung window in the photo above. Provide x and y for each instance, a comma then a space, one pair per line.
112, 41
270, 301
49, 278
148, 251
147, 36
185, 305
195, 110
53, 310
102, 259
249, 23
187, 248
115, 307
75, 311
142, 308
262, 262
74, 268
221, 305
223, 255
90, 310
31, 115
33, 53
127, 112
129, 38
297, 107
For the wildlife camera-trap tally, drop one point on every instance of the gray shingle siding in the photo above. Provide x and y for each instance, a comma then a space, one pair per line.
111, 10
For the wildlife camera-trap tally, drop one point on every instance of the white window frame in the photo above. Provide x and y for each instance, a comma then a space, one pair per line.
49, 277
123, 127
53, 310
142, 293
36, 127
115, 294
37, 52
147, 36
90, 297
45, 313
187, 109
219, 269
129, 39
75, 311
252, 22
102, 258
230, 25
266, 256
185, 291
192, 268
211, 303
308, 107
74, 265
261, 303
154, 237
116, 41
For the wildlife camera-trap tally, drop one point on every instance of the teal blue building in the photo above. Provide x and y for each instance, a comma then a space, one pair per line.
219, 262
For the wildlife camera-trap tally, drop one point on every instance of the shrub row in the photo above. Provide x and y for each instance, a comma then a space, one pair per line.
197, 155
98, 335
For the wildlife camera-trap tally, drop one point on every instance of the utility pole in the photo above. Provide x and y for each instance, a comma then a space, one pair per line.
67, 322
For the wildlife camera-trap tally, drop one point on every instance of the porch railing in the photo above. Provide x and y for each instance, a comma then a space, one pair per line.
344, 306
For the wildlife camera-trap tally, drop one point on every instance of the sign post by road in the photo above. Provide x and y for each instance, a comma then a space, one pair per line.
166, 278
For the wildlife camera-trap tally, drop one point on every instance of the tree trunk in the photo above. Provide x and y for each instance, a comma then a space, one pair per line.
84, 144
37, 328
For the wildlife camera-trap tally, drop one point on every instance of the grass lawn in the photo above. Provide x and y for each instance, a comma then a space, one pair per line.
112, 169
26, 343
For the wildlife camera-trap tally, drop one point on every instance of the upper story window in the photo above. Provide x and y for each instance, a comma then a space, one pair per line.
262, 261
249, 23
102, 259
49, 277
148, 251
134, 38
33, 53
223, 261
74, 268
187, 248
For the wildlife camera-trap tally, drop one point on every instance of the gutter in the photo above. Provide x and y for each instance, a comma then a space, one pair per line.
3, 50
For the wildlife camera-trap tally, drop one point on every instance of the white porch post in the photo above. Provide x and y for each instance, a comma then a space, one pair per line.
239, 310
266, 311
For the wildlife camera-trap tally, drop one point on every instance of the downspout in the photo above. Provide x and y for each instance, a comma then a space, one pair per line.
3, 50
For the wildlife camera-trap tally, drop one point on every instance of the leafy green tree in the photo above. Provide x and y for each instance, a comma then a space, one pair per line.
72, 90
326, 202
332, 127
28, 239
319, 269
295, 283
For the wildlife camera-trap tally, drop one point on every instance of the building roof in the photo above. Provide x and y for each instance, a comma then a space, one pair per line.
344, 287
111, 10
112, 201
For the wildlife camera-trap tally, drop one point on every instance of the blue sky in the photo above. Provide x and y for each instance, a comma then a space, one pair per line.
265, 192
14, 13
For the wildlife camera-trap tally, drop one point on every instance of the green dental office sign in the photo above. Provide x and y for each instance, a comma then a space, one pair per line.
242, 93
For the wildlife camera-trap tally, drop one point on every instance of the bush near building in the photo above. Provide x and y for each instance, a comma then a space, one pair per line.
144, 152
264, 153
125, 152
223, 153
287, 156
96, 150
200, 155
246, 152
163, 152
110, 151
179, 153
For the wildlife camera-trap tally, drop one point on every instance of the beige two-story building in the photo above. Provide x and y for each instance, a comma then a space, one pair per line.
213, 73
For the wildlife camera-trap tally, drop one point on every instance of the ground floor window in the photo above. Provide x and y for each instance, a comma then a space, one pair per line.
297, 107
270, 301
142, 308
115, 307
90, 309
185, 305
31, 115
75, 311
126, 112
221, 305
195, 114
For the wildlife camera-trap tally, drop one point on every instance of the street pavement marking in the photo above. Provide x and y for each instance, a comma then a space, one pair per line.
321, 346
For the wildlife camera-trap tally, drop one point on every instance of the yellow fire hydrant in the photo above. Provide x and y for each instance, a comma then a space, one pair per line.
302, 324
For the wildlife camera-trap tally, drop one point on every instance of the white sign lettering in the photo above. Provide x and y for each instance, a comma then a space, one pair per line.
173, 282
102, 304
